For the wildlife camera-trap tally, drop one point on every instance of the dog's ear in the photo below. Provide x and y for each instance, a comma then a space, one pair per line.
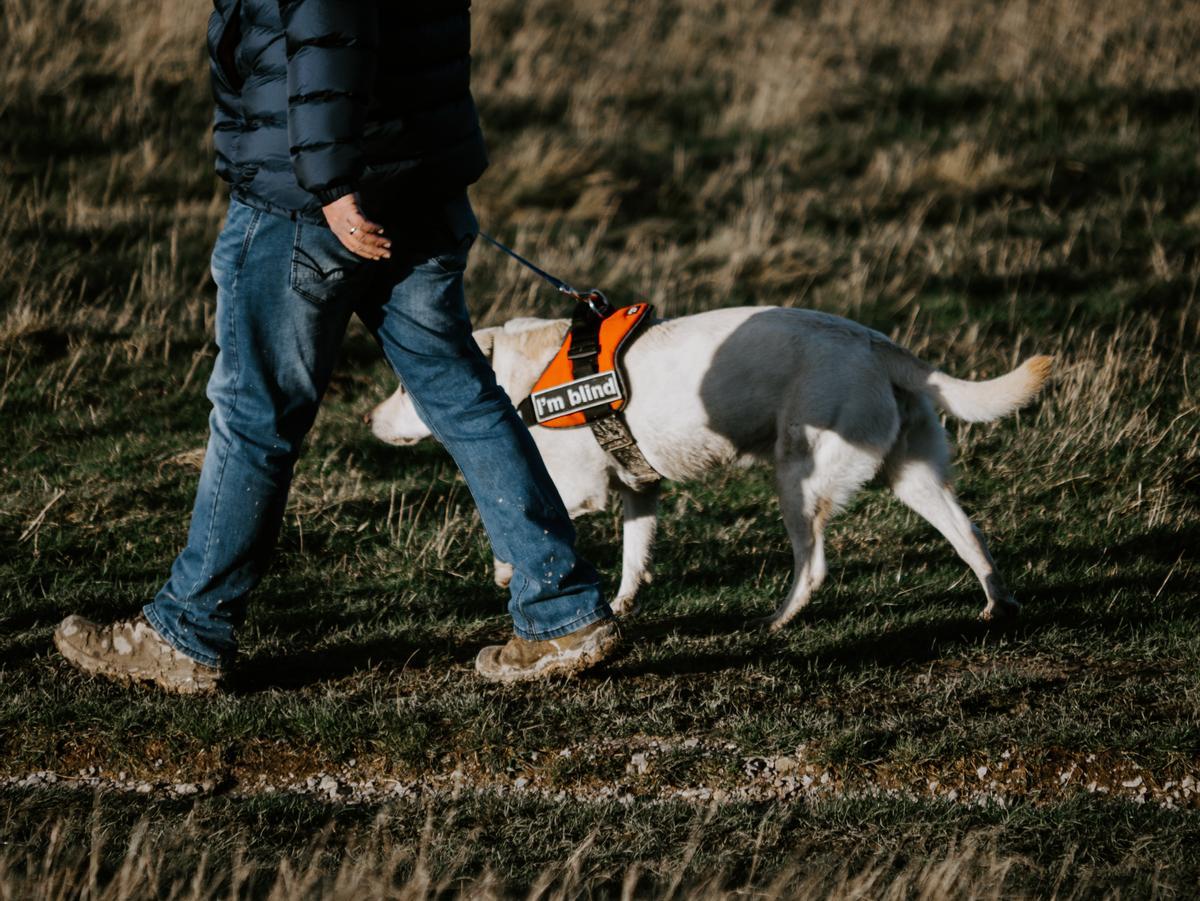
486, 339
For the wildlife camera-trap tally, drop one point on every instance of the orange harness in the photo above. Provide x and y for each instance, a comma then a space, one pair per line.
584, 380
584, 384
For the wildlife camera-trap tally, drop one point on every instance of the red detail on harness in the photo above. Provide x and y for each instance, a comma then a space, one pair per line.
579, 399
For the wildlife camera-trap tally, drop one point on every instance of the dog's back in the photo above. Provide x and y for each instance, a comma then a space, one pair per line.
714, 382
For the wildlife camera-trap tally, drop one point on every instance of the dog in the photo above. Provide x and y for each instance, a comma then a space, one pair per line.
830, 401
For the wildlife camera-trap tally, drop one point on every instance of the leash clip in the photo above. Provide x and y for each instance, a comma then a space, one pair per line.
598, 302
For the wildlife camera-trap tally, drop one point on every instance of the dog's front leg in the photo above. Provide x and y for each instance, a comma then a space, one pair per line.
638, 527
502, 572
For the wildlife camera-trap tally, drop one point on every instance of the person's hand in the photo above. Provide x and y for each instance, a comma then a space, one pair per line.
359, 234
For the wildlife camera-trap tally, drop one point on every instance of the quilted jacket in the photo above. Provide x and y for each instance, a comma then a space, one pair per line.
318, 98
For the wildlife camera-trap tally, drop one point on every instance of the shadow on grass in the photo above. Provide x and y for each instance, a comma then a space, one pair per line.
337, 661
916, 643
1067, 605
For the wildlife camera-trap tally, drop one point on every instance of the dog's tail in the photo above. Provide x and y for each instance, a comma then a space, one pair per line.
969, 401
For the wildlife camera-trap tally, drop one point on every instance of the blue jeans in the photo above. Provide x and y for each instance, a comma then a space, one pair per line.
285, 294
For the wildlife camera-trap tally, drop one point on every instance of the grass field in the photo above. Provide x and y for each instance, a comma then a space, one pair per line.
983, 181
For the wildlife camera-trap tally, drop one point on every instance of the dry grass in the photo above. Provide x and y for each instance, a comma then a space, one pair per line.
372, 864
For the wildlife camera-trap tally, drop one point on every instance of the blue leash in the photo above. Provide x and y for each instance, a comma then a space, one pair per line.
556, 282
593, 298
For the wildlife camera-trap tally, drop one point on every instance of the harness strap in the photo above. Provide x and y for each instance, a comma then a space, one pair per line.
585, 341
585, 350
613, 435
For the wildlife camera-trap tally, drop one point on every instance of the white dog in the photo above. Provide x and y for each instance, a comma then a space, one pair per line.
832, 402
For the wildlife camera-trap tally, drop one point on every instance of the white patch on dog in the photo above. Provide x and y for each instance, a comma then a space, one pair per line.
830, 401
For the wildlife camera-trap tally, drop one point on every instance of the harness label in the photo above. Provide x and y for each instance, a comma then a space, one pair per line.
573, 397
563, 397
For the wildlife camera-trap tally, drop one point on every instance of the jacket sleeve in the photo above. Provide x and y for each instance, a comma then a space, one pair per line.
331, 51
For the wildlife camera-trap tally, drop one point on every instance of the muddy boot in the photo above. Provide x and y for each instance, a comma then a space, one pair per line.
521, 660
131, 651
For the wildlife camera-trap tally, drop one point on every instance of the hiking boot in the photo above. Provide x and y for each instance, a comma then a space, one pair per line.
521, 660
131, 651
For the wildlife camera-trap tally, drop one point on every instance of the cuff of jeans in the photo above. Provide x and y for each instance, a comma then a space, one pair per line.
159, 625
602, 612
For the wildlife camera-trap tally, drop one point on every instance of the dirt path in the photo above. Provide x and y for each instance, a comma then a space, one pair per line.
1004, 781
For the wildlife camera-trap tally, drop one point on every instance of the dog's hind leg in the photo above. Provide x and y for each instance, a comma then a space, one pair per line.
811, 488
918, 470
639, 524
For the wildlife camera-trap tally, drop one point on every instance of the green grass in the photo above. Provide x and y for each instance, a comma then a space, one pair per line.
981, 193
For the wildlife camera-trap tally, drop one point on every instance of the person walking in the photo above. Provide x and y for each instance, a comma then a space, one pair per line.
348, 135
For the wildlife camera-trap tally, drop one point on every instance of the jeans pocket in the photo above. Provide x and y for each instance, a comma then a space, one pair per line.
321, 265
454, 260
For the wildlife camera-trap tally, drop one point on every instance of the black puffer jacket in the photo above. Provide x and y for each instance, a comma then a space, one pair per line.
318, 98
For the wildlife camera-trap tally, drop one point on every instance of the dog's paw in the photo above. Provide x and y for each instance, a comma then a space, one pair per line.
1000, 611
625, 606
502, 574
770, 623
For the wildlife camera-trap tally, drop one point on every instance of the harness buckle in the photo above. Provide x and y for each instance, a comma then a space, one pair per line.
583, 350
